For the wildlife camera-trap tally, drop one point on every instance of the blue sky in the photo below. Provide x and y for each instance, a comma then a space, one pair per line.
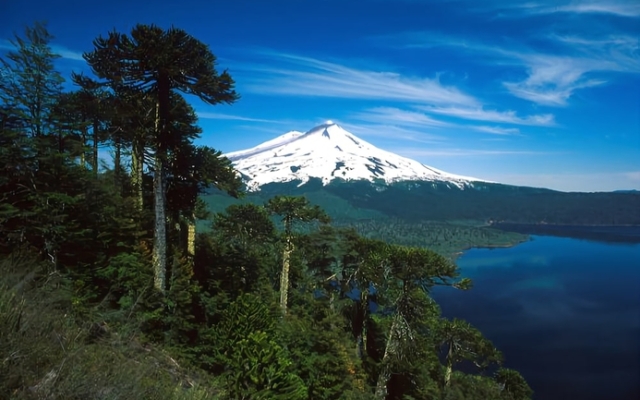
536, 93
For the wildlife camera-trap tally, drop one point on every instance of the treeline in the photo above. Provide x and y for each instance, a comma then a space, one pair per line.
107, 291
426, 201
494, 202
448, 238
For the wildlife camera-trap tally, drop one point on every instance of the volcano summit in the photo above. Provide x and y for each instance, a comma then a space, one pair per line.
329, 152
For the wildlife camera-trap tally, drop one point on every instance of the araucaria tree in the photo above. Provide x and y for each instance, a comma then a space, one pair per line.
292, 209
158, 63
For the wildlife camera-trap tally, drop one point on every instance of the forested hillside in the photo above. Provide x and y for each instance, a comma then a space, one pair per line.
447, 219
430, 201
447, 238
108, 291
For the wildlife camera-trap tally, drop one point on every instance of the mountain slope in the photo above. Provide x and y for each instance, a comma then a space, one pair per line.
355, 181
328, 152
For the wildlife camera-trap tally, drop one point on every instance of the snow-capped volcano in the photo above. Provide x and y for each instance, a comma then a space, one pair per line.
329, 152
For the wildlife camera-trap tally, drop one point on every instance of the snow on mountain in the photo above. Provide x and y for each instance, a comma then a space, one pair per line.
329, 152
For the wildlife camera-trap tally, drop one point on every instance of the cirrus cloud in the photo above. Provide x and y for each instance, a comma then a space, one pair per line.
306, 76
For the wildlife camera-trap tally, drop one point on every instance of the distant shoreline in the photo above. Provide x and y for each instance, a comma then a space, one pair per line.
603, 233
490, 246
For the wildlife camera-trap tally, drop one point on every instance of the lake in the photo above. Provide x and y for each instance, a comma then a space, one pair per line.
565, 312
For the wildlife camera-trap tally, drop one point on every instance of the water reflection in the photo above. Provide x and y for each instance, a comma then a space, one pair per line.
565, 312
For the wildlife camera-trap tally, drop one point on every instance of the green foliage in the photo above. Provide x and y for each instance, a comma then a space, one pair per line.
30, 84
460, 341
79, 316
187, 63
448, 238
49, 351
323, 356
472, 387
260, 369
244, 224
130, 276
245, 315
513, 384
252, 364
295, 209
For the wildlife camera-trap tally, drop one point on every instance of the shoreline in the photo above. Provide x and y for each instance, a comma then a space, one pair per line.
490, 246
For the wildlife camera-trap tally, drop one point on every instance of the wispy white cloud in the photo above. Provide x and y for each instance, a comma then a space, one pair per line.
409, 152
411, 120
497, 130
392, 132
398, 116
623, 8
305, 76
480, 114
66, 53
620, 8
62, 51
614, 52
551, 78
212, 115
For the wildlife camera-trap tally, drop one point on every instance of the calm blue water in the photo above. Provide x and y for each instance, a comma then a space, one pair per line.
565, 313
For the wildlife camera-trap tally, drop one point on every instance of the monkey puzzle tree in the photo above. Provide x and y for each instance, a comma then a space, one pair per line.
461, 341
132, 126
292, 209
192, 169
244, 224
159, 62
96, 106
409, 273
514, 386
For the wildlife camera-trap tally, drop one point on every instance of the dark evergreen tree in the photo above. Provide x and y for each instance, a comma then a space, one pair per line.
160, 62
292, 209
30, 85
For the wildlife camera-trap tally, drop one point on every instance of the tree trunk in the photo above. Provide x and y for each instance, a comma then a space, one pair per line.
399, 331
160, 243
96, 138
284, 277
117, 161
137, 164
449, 368
83, 147
385, 373
361, 339
191, 238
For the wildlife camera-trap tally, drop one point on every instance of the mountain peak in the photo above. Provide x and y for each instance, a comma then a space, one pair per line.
329, 152
329, 130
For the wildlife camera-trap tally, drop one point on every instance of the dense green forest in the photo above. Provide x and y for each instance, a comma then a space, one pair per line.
447, 238
430, 201
447, 219
109, 291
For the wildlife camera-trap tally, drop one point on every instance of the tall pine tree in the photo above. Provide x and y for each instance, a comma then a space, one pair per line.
160, 62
